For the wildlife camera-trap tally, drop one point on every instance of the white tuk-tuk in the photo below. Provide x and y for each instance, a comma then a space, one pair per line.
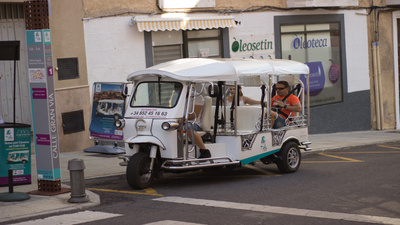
18, 157
155, 136
110, 107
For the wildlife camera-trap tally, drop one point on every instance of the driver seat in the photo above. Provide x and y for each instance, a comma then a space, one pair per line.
206, 116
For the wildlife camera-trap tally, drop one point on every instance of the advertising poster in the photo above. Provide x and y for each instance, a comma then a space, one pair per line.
15, 154
107, 103
317, 78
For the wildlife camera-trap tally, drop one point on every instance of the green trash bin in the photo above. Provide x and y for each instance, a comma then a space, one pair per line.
15, 153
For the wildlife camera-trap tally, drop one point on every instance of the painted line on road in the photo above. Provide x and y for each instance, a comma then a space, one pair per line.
386, 146
382, 152
282, 210
339, 157
345, 160
219, 177
172, 222
148, 191
70, 219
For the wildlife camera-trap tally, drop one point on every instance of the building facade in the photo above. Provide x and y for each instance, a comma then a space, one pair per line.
351, 47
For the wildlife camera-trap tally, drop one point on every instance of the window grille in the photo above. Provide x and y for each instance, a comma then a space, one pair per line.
166, 53
11, 11
73, 122
68, 68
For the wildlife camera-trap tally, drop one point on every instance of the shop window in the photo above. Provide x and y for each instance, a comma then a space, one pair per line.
203, 43
162, 46
319, 45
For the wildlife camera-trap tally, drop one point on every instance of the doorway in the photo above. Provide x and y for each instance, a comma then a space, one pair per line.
12, 27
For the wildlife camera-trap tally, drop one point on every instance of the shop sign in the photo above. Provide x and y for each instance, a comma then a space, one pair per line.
313, 43
243, 46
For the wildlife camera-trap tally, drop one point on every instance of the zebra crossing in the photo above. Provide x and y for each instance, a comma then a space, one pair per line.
89, 216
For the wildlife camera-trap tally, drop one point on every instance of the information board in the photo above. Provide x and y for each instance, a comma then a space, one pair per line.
15, 153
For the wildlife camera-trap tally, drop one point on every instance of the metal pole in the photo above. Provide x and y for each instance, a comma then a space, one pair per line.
15, 79
10, 182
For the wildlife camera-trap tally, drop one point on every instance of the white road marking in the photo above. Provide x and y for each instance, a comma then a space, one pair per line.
172, 222
70, 219
283, 210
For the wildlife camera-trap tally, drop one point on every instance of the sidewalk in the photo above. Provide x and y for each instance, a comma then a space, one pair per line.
101, 165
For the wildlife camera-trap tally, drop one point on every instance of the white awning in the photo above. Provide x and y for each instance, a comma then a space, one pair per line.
155, 23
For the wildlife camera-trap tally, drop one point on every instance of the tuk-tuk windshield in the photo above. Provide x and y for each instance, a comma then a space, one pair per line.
156, 94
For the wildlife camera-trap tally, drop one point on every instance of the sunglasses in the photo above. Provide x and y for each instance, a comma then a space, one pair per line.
279, 88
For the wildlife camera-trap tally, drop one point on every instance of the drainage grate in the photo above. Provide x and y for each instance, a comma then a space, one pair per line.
72, 122
49, 185
68, 68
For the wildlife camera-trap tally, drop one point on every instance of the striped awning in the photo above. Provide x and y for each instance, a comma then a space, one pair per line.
155, 23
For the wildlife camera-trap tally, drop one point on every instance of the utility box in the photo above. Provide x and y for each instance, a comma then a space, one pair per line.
15, 153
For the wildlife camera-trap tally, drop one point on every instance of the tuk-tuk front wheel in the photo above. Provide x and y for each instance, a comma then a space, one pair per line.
289, 158
138, 172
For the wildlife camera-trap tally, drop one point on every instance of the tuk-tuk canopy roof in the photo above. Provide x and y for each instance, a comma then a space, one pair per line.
206, 70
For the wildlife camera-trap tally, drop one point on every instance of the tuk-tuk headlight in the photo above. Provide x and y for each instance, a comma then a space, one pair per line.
170, 125
119, 123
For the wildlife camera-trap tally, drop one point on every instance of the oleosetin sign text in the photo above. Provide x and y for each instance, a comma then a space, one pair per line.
241, 46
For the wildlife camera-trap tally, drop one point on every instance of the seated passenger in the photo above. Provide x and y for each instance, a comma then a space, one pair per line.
244, 100
288, 103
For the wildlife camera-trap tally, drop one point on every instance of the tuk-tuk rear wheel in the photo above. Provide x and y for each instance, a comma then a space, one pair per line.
289, 158
138, 172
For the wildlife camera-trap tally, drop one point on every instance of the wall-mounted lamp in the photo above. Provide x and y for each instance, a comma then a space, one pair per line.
238, 22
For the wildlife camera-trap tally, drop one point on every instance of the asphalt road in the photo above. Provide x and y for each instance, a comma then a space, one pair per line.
353, 186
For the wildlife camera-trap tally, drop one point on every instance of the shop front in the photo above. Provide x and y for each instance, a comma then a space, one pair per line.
333, 44
335, 47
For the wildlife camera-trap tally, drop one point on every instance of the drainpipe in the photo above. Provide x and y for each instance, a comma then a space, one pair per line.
375, 47
378, 60
377, 73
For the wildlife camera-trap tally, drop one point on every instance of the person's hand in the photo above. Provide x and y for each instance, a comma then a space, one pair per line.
281, 104
275, 102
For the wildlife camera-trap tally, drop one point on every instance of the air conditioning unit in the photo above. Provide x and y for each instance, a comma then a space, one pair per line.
392, 2
186, 4
321, 3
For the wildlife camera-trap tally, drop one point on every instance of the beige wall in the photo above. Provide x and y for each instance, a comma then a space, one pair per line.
68, 38
387, 93
72, 100
387, 69
96, 8
71, 95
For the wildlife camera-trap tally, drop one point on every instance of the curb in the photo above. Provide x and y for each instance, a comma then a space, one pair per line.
94, 201
345, 147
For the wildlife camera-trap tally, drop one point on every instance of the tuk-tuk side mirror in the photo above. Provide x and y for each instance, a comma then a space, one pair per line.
213, 90
124, 91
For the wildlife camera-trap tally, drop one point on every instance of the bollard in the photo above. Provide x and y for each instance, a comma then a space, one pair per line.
76, 167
